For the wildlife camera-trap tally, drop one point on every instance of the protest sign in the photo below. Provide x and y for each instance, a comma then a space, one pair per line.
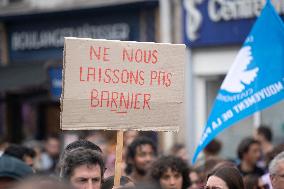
116, 85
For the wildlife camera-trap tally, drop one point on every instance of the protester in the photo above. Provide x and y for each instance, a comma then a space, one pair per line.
276, 171
23, 153
83, 168
271, 155
226, 177
213, 149
128, 138
12, 170
170, 172
83, 144
50, 157
37, 147
249, 154
210, 156
140, 155
195, 180
264, 136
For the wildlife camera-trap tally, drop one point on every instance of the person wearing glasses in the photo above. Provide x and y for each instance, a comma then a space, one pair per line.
276, 171
224, 176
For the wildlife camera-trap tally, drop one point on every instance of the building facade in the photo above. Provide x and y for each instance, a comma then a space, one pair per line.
32, 37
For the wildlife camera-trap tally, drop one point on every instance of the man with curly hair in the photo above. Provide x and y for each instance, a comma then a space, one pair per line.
140, 155
83, 168
170, 172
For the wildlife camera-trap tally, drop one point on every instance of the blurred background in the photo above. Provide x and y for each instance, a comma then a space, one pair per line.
31, 49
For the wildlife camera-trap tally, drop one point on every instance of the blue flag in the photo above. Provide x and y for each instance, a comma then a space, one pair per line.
256, 79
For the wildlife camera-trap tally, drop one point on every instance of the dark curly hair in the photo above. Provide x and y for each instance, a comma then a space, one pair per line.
131, 151
83, 144
78, 157
174, 163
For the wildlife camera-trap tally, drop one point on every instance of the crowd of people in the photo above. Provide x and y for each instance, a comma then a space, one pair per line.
84, 164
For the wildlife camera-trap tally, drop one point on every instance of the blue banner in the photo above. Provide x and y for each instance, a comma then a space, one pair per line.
256, 79
55, 75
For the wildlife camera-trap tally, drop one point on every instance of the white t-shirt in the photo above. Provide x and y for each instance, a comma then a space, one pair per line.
266, 180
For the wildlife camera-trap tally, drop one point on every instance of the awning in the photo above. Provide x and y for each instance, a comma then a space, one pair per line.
21, 76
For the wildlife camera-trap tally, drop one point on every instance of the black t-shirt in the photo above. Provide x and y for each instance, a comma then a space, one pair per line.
256, 171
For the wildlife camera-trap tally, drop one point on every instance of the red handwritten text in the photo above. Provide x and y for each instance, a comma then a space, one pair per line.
99, 54
140, 56
119, 101
113, 76
160, 78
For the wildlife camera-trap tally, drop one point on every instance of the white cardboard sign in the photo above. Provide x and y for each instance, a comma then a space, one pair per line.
118, 85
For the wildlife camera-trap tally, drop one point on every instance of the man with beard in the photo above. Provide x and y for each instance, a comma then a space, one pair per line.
82, 144
83, 168
140, 155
